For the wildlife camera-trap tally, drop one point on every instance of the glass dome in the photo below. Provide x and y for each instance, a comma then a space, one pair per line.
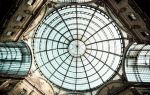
78, 47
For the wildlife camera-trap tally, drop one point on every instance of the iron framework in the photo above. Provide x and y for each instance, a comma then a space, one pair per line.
78, 47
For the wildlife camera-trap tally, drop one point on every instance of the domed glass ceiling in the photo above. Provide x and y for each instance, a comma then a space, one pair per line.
78, 47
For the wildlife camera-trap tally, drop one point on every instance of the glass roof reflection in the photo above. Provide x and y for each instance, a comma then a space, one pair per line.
78, 47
